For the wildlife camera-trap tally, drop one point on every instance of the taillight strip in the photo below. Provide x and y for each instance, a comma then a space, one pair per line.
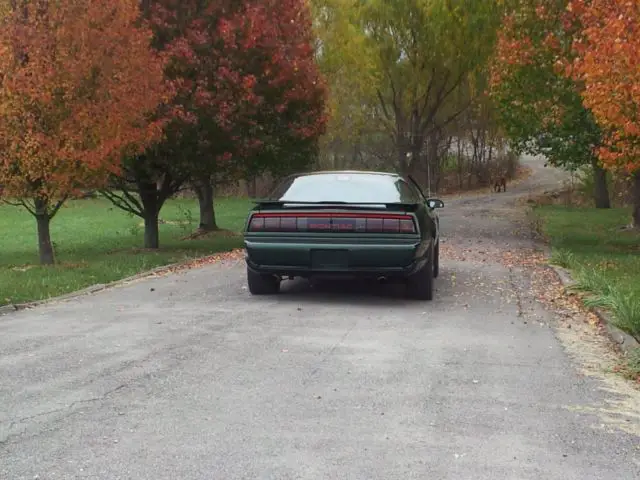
331, 222
339, 215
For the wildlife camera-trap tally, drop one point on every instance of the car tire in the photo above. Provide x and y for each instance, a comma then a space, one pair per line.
436, 261
420, 284
260, 284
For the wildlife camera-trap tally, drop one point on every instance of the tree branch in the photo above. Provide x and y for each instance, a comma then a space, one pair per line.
427, 94
122, 203
442, 95
9, 202
130, 199
454, 116
57, 206
31, 210
383, 104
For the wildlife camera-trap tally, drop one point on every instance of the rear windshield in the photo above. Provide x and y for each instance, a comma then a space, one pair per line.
345, 187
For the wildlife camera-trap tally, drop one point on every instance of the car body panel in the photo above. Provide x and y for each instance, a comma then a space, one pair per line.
295, 255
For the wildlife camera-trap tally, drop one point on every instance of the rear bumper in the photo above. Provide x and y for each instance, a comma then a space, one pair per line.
361, 257
306, 272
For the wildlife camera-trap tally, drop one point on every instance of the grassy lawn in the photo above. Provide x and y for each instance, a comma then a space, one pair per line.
96, 243
604, 260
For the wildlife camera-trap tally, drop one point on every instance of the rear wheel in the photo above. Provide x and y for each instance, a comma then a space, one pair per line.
420, 284
436, 261
260, 284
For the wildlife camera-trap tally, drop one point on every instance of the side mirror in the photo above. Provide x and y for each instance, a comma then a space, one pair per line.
435, 203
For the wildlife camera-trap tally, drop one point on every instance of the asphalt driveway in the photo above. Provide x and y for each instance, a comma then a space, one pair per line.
189, 377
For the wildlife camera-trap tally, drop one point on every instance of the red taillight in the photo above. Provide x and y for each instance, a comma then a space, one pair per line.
332, 222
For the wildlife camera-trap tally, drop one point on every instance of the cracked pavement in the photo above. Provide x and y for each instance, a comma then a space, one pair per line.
187, 376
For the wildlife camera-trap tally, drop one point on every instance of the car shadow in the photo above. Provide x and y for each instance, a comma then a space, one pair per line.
349, 291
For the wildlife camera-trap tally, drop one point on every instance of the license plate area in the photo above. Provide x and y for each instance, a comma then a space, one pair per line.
329, 259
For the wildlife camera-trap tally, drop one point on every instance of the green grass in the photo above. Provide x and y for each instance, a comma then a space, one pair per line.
97, 243
604, 260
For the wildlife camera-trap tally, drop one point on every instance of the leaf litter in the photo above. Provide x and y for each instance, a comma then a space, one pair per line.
232, 255
585, 339
221, 257
580, 331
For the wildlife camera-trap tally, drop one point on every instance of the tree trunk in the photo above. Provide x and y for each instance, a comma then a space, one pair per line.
45, 247
149, 198
636, 201
459, 164
204, 191
433, 172
404, 163
414, 167
151, 230
252, 187
600, 188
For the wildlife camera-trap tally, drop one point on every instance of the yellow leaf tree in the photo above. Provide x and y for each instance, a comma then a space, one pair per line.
404, 64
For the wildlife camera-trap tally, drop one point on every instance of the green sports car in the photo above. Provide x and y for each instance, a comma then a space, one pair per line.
344, 224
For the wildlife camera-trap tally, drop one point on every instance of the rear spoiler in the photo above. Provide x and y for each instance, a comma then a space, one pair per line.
273, 204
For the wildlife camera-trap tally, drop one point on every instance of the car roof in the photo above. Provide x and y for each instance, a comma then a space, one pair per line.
346, 172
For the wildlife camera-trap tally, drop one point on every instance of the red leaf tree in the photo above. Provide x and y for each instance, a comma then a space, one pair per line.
211, 94
283, 127
77, 81
249, 98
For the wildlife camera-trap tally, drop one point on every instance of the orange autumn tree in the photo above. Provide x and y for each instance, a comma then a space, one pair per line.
540, 108
78, 82
608, 62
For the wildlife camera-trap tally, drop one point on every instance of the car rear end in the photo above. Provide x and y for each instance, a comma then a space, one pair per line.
323, 240
338, 224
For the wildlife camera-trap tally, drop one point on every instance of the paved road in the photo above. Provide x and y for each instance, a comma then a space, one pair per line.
189, 377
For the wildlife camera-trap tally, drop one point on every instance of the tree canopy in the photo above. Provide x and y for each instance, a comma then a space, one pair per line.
407, 62
249, 99
540, 108
78, 81
608, 63
566, 77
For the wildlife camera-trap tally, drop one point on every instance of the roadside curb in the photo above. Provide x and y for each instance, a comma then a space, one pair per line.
15, 307
625, 341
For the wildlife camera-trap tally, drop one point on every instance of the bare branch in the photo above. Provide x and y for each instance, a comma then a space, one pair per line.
12, 203
30, 209
427, 95
130, 199
454, 116
57, 206
383, 104
440, 99
122, 202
